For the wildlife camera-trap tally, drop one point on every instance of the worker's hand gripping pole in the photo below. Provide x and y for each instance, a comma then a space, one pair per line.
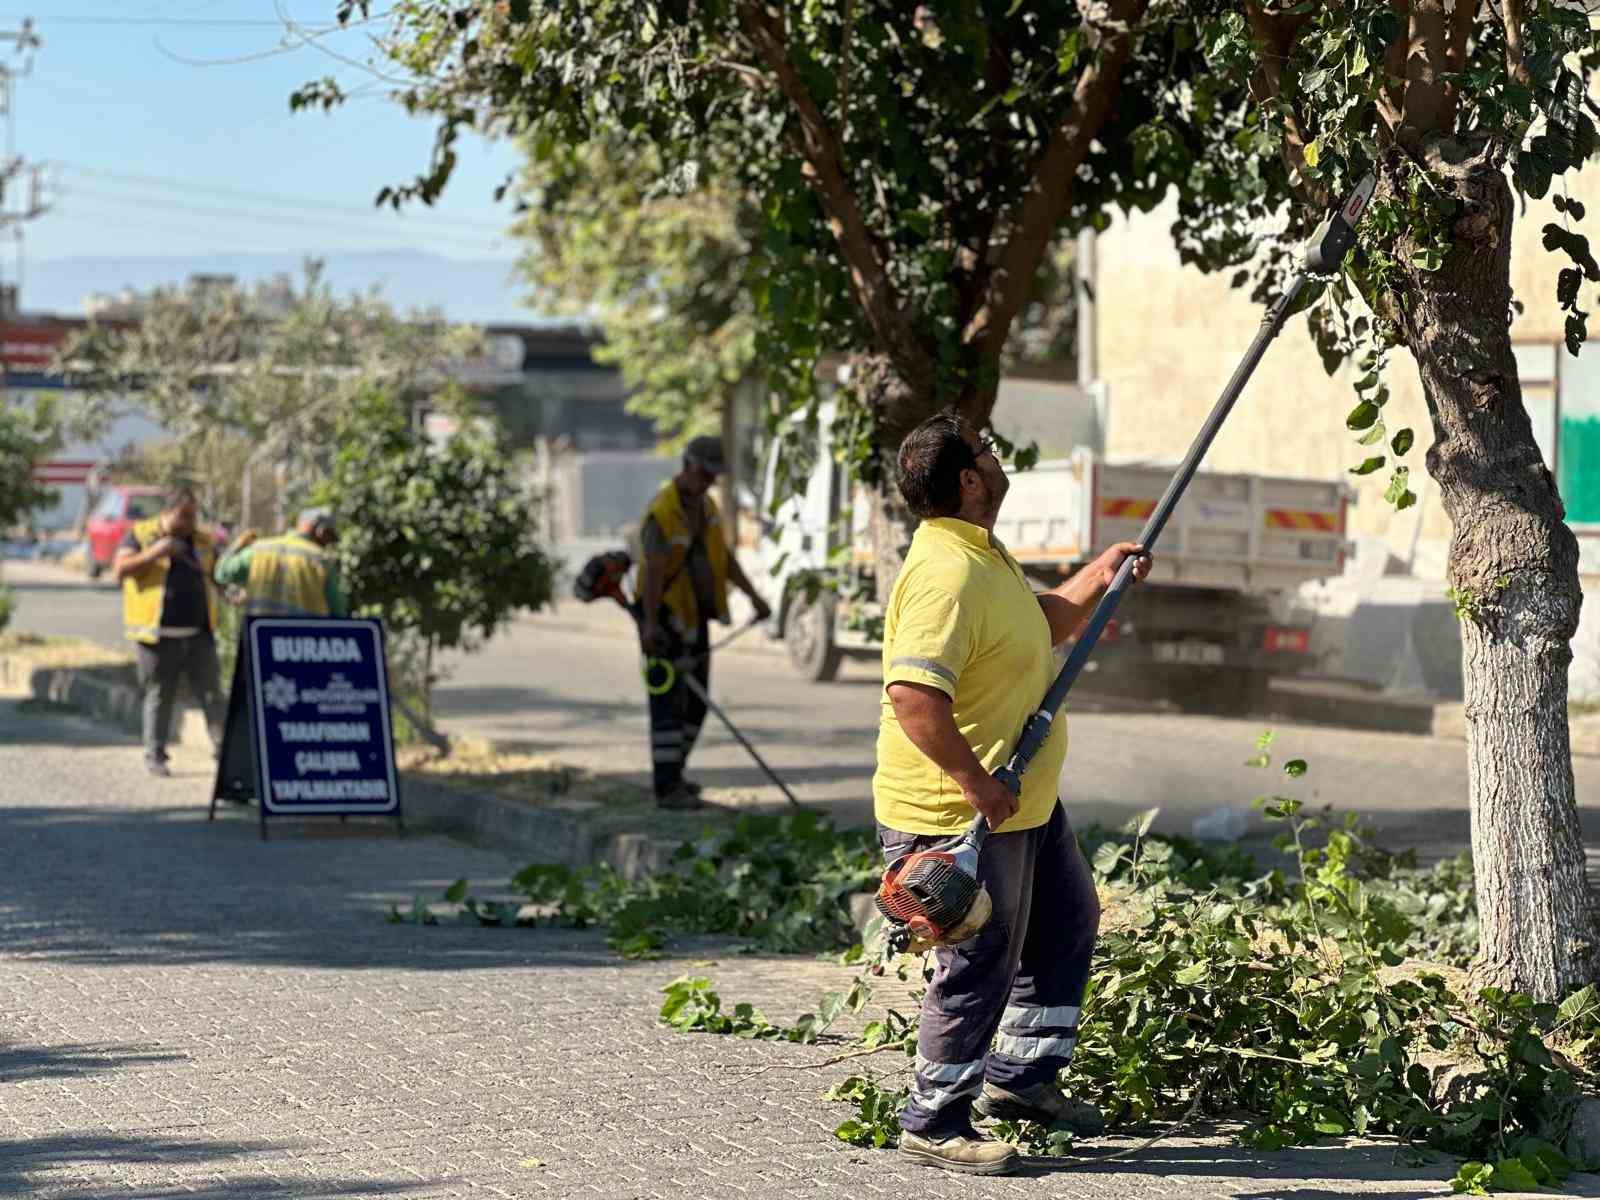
1323, 254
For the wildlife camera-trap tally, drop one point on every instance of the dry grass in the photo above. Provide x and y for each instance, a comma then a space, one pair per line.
528, 778
44, 651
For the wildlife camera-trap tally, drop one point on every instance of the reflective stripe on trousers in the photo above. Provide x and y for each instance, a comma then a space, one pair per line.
1003, 1006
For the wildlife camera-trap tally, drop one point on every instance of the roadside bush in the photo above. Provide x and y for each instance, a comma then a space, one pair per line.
441, 541
8, 604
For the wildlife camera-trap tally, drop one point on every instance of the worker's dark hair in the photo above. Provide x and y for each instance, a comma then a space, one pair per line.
931, 461
178, 494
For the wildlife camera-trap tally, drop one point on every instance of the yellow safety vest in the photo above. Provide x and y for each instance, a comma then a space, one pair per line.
144, 590
667, 509
288, 578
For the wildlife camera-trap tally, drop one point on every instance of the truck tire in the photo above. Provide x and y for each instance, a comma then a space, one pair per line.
808, 636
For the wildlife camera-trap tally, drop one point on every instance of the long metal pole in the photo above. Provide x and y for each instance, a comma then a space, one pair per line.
694, 686
1324, 253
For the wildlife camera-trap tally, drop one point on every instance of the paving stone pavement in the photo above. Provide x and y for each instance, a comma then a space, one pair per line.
185, 1010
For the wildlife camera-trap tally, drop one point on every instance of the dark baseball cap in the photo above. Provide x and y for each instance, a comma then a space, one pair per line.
705, 453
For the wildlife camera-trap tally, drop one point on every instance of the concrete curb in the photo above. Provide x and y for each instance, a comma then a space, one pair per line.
109, 694
1326, 702
541, 835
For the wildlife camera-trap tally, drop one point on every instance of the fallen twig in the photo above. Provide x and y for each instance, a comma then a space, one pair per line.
817, 1066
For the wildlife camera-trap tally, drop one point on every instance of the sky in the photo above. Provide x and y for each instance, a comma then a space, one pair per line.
165, 130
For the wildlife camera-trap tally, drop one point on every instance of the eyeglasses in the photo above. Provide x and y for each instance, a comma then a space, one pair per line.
985, 446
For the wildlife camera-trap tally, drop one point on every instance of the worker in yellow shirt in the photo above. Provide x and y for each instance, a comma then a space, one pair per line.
966, 658
169, 609
685, 566
293, 575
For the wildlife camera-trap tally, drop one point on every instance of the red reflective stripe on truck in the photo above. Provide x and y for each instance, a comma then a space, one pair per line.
1293, 518
1127, 508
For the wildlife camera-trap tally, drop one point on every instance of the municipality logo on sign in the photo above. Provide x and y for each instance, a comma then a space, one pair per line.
280, 693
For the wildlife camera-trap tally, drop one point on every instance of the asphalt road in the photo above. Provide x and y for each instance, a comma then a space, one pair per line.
566, 685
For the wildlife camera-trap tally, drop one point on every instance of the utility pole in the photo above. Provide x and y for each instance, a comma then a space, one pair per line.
24, 40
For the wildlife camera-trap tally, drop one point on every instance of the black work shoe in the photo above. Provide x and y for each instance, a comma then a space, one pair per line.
680, 797
1043, 1102
693, 786
158, 768
969, 1153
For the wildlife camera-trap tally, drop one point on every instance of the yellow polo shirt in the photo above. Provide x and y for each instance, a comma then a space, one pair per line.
963, 619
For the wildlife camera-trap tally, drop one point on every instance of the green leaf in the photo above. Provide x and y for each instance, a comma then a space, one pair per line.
850, 1131
1368, 466
1512, 1175
1402, 442
1295, 768
1193, 973
1579, 1002
1473, 1179
1313, 152
1532, 173
1398, 483
1372, 436
1067, 55
456, 892
1362, 416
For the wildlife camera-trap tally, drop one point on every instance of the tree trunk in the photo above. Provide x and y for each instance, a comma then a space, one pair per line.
897, 408
1513, 564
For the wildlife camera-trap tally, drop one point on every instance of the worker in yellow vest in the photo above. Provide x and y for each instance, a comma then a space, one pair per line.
685, 566
169, 609
294, 575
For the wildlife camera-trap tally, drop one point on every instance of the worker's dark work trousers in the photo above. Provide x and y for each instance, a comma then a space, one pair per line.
1018, 984
677, 713
161, 667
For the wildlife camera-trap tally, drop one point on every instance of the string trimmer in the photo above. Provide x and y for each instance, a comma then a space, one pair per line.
933, 897
601, 578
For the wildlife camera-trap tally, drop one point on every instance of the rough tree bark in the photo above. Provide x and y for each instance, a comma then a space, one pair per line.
1514, 561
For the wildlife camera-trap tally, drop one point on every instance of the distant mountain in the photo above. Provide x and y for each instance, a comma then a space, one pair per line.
477, 290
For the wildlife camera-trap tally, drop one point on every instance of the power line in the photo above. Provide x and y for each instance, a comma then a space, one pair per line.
197, 22
200, 240
281, 221
268, 199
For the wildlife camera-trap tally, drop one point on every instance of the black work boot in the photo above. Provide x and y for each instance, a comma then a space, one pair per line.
1043, 1102
679, 796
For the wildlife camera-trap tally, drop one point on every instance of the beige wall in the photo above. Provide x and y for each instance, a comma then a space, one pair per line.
1169, 336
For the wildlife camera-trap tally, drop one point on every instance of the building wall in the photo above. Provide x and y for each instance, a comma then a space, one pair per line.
1169, 336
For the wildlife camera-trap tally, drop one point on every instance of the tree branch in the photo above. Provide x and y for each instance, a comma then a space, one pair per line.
1428, 107
824, 171
971, 240
1392, 97
1049, 193
1462, 18
846, 35
1514, 17
1275, 37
